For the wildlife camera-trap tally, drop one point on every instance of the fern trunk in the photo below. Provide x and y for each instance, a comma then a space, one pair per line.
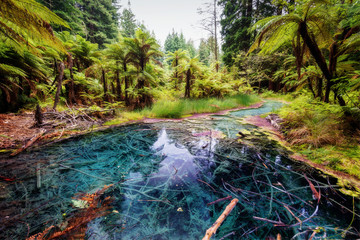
59, 79
187, 86
71, 87
318, 56
118, 86
126, 80
103, 78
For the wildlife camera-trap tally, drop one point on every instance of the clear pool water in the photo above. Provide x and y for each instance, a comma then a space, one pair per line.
164, 175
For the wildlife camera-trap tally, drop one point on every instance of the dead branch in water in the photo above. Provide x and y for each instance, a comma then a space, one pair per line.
28, 143
219, 200
212, 230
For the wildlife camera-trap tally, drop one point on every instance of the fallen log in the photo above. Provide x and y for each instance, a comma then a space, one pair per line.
212, 230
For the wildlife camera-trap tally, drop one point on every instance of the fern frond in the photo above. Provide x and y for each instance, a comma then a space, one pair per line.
25, 20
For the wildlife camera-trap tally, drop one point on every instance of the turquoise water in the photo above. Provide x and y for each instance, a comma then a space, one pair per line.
268, 106
164, 175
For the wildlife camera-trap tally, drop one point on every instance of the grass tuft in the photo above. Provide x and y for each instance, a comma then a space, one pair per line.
183, 107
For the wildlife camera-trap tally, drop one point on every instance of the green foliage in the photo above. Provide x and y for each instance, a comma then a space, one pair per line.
67, 10
128, 23
100, 18
26, 23
168, 109
235, 24
313, 28
174, 42
204, 52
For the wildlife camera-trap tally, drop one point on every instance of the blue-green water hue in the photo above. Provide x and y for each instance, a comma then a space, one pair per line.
164, 174
268, 106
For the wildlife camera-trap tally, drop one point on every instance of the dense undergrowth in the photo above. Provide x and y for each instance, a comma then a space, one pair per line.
326, 134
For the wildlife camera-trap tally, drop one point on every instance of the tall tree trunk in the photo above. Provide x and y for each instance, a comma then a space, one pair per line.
176, 73
311, 87
215, 34
59, 78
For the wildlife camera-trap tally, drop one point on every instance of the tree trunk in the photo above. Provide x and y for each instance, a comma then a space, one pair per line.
311, 87
318, 56
319, 87
176, 74
71, 95
38, 116
127, 100
118, 85
59, 78
215, 34
187, 86
103, 78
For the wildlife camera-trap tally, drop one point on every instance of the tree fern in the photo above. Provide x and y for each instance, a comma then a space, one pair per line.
27, 23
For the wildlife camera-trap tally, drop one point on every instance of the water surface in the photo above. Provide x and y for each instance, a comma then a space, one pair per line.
164, 175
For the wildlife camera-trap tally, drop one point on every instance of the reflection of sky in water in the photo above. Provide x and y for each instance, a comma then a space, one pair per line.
164, 174
175, 158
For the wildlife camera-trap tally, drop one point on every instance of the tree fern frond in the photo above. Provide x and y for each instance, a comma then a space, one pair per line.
9, 70
274, 28
22, 20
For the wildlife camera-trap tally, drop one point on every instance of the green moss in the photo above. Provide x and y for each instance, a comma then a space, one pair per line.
344, 158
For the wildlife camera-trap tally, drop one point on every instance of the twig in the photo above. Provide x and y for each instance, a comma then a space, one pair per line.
281, 224
28, 144
151, 200
219, 200
276, 223
207, 184
219, 221
227, 235
103, 179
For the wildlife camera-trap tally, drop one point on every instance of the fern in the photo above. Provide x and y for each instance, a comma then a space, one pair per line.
27, 23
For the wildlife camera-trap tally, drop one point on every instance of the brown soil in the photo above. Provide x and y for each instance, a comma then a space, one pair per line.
15, 130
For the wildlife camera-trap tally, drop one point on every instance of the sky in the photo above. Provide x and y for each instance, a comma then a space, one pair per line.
161, 16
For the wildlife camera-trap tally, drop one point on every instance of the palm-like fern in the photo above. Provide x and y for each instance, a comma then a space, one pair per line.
190, 68
176, 60
316, 23
143, 49
27, 22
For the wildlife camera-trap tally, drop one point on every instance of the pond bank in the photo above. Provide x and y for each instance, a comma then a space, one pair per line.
345, 180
